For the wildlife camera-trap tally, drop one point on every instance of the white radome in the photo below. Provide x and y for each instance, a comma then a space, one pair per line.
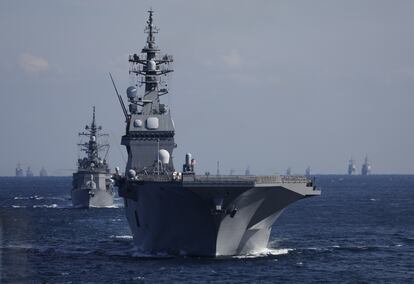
164, 156
131, 92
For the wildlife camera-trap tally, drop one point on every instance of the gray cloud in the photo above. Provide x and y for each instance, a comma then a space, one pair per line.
33, 64
233, 58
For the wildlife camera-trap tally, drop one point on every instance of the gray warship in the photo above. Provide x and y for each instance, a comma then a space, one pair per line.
308, 171
366, 167
29, 172
43, 172
351, 167
19, 171
179, 212
91, 184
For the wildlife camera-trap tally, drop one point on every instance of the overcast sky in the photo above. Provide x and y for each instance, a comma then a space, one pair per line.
270, 84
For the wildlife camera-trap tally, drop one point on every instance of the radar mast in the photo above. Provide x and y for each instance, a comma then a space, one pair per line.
150, 69
92, 148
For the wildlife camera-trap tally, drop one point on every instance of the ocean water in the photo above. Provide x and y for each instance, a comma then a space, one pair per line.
361, 229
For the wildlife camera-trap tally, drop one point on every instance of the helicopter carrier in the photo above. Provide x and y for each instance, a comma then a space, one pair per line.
91, 184
177, 211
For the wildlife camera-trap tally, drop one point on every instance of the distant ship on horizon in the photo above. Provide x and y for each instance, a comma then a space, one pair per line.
247, 171
308, 171
29, 172
351, 167
43, 172
289, 171
366, 167
19, 171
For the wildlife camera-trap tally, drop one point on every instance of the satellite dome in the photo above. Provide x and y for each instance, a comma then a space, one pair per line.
164, 156
131, 92
93, 138
137, 123
151, 65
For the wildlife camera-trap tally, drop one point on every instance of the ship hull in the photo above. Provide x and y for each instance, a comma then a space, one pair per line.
84, 197
205, 220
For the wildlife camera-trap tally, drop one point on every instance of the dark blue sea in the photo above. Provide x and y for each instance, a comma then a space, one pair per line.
360, 230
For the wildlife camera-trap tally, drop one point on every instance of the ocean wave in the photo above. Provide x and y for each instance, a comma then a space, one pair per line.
361, 248
28, 248
36, 206
137, 253
71, 250
407, 239
123, 237
33, 197
265, 253
351, 248
21, 198
37, 197
18, 206
77, 251
46, 206
57, 198
20, 246
110, 206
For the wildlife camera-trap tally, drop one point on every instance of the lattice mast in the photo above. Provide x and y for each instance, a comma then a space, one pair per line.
92, 148
150, 69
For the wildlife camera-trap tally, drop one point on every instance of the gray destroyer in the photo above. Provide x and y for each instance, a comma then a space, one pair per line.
351, 167
179, 212
19, 171
366, 167
91, 184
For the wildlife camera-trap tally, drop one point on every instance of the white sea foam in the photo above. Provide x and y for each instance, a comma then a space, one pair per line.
37, 197
21, 197
265, 253
128, 237
110, 206
18, 206
46, 206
